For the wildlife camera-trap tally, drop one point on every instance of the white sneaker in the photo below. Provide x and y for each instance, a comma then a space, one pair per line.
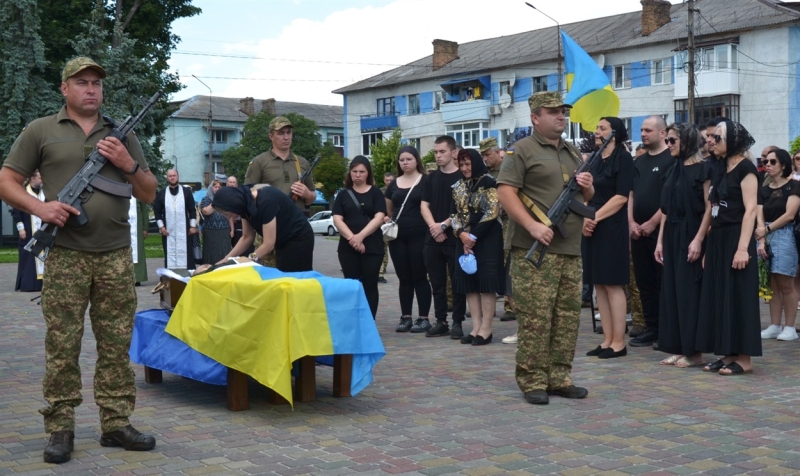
628, 318
772, 332
789, 333
597, 317
513, 339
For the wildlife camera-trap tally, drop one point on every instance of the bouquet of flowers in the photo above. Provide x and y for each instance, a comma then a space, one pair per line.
764, 289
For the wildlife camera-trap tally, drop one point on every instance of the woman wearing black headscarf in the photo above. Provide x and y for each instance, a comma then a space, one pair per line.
358, 213
606, 259
475, 224
729, 322
686, 214
274, 216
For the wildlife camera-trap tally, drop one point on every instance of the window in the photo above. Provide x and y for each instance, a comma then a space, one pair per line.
220, 136
386, 106
469, 135
720, 57
734, 56
626, 121
336, 139
415, 143
413, 104
505, 88
539, 84
367, 140
471, 92
622, 76
707, 108
438, 99
218, 167
662, 71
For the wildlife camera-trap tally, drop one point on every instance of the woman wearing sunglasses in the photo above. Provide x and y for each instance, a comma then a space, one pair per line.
778, 203
729, 322
684, 223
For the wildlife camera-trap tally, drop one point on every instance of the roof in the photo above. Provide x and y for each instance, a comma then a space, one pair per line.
229, 109
598, 35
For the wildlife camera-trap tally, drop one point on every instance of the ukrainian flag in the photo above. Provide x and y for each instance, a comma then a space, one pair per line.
259, 320
588, 89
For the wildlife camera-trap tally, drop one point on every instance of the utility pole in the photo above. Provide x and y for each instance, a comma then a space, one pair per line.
210, 166
690, 96
558, 32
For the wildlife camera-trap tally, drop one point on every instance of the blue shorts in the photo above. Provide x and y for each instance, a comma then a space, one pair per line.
784, 251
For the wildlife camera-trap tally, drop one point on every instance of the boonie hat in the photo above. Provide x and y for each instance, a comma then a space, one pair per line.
279, 123
487, 144
76, 65
546, 99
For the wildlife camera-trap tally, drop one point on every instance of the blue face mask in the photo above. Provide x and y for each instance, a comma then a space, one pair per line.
468, 263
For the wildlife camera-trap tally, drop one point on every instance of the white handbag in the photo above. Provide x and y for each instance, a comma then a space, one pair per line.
390, 229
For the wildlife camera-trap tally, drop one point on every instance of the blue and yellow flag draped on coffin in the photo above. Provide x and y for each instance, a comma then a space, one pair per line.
588, 89
259, 320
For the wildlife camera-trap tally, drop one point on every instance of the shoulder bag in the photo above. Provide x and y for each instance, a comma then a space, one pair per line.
391, 228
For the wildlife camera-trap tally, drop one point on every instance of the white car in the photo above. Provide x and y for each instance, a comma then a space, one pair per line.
322, 222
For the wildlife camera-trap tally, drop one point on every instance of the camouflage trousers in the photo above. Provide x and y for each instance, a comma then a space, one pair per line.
635, 301
547, 302
72, 281
385, 262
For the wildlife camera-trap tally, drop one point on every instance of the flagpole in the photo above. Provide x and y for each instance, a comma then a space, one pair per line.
558, 33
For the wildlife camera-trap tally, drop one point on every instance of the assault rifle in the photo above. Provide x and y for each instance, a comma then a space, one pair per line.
566, 203
81, 187
302, 178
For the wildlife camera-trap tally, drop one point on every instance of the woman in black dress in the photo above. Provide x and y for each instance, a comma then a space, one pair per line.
475, 224
686, 214
217, 230
273, 215
406, 249
607, 247
358, 213
729, 322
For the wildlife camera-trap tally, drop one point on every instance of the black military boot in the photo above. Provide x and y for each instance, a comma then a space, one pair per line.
129, 438
59, 447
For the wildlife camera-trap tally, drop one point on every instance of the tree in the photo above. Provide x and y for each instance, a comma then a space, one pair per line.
330, 171
24, 94
794, 146
305, 141
384, 154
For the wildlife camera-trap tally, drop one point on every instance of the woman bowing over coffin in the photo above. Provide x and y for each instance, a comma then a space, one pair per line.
273, 215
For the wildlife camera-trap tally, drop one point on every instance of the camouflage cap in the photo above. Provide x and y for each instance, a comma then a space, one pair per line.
279, 123
546, 99
487, 144
76, 65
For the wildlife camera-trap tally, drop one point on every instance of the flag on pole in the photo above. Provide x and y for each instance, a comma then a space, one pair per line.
588, 89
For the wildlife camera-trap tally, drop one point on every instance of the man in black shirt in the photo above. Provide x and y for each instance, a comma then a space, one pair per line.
644, 219
440, 244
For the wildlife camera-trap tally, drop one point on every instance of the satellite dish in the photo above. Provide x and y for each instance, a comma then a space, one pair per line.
505, 100
601, 60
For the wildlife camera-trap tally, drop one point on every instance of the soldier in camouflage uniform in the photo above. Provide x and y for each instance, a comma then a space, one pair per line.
547, 299
90, 264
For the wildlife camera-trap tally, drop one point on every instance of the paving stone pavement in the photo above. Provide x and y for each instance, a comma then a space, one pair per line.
435, 407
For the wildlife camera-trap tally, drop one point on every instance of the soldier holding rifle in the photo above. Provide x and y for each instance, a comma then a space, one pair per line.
548, 299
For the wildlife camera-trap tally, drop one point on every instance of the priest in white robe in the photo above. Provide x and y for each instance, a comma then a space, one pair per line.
176, 216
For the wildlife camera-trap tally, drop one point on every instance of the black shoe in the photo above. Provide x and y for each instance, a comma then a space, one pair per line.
508, 316
468, 314
422, 324
569, 392
467, 339
537, 397
645, 339
59, 447
586, 304
440, 329
129, 438
456, 332
480, 340
405, 325
598, 330
636, 331
610, 353
596, 351
382, 280
655, 345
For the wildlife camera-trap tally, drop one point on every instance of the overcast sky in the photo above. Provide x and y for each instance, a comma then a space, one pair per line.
301, 50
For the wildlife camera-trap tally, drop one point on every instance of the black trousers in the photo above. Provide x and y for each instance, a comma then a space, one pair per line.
364, 268
297, 254
438, 260
648, 277
409, 265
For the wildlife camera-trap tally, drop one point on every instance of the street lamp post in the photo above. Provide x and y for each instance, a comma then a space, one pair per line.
210, 167
558, 31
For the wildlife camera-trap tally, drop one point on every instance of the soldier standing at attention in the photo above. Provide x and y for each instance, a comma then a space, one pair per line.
548, 299
88, 264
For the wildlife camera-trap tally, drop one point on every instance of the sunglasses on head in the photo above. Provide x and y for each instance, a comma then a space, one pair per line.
671, 140
770, 161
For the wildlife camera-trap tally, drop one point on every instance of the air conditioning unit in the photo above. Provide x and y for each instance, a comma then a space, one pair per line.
495, 110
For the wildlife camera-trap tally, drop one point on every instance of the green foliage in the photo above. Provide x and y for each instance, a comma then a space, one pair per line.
428, 158
330, 171
795, 145
384, 154
305, 141
314, 209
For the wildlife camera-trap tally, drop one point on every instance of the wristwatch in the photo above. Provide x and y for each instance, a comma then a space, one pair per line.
254, 257
444, 226
134, 169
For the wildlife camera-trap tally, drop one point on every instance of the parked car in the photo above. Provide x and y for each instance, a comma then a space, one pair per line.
322, 222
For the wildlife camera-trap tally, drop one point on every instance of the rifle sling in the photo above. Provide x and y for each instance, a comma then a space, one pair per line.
297, 166
540, 215
111, 187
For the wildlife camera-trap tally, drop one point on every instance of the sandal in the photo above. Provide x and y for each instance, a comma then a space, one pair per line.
685, 363
715, 367
671, 360
735, 369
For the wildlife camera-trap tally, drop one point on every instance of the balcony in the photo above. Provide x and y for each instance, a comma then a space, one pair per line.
217, 148
378, 122
475, 110
709, 83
